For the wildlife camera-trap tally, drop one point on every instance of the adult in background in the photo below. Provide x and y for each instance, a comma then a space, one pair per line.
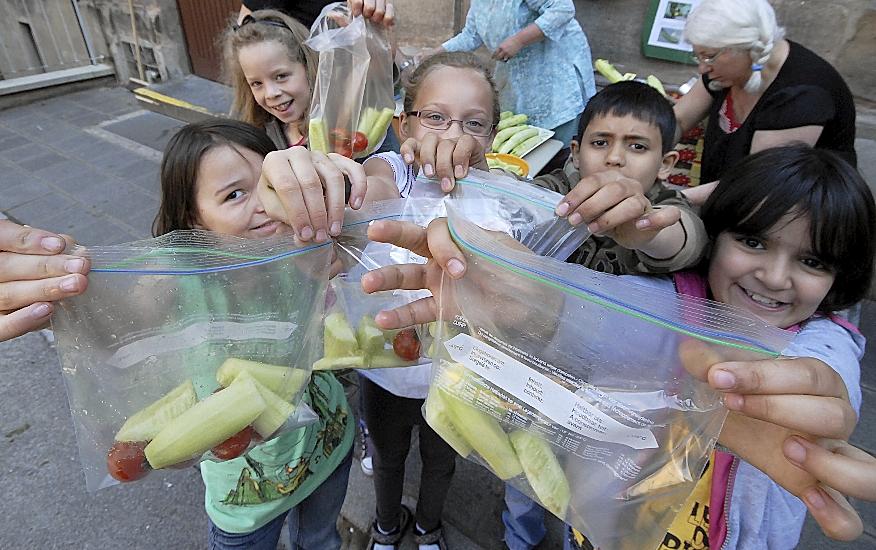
759, 90
544, 55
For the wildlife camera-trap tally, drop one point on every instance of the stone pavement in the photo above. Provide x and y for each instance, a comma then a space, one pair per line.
86, 164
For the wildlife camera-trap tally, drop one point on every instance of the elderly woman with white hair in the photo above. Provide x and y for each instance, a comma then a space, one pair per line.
758, 89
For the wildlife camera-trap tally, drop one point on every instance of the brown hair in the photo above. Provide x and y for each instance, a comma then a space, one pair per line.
282, 29
182, 159
459, 60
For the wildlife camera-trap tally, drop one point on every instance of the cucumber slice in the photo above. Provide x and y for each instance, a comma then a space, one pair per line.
485, 435
340, 340
387, 359
381, 123
276, 412
543, 471
284, 381
369, 336
438, 417
206, 424
146, 423
338, 363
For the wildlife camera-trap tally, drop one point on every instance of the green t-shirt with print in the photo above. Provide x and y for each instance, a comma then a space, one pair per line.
247, 492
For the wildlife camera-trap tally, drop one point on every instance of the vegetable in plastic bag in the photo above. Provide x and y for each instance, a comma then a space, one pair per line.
353, 103
570, 385
352, 339
189, 342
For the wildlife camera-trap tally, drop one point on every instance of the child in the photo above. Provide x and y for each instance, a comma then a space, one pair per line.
208, 180
272, 75
623, 150
625, 137
450, 99
451, 103
792, 236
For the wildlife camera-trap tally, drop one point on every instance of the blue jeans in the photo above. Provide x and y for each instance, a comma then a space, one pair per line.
524, 520
311, 523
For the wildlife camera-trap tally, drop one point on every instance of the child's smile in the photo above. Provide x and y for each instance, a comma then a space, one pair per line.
777, 276
278, 84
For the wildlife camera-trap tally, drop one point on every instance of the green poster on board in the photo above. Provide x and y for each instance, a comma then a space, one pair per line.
663, 31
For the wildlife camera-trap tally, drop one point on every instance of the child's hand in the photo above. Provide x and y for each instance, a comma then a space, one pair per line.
380, 12
445, 159
434, 243
33, 273
305, 189
607, 201
776, 399
840, 469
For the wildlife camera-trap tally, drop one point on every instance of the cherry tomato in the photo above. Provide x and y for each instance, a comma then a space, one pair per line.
344, 149
126, 460
234, 446
406, 344
360, 142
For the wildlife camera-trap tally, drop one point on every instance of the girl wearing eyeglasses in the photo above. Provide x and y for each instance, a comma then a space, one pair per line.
759, 90
451, 107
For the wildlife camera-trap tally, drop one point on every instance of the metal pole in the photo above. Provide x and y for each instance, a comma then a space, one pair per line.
84, 28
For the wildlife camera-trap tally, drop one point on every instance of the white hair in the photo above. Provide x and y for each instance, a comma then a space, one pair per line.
745, 24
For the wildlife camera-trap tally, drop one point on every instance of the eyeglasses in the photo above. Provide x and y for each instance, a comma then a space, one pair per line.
439, 121
708, 60
247, 19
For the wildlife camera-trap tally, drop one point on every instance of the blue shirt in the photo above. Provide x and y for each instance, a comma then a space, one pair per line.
550, 80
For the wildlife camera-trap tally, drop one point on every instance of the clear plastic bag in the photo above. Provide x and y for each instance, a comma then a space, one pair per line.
187, 347
501, 203
569, 384
353, 103
352, 339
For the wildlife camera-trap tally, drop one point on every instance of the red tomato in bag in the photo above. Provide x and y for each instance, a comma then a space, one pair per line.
235, 445
360, 142
406, 344
126, 460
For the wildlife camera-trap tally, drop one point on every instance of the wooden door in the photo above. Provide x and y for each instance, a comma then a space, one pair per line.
203, 23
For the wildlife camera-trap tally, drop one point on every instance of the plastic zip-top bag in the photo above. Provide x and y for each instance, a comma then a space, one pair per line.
501, 203
570, 384
353, 103
352, 339
187, 347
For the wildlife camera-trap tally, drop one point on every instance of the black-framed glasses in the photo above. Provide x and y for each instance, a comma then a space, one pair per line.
247, 19
437, 120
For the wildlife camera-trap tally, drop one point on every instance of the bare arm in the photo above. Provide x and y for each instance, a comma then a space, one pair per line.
692, 108
381, 181
244, 11
767, 139
509, 47
699, 194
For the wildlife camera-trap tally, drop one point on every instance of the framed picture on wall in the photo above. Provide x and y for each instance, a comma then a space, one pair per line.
663, 31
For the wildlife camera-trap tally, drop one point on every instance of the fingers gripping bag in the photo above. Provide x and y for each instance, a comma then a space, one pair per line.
498, 202
352, 339
353, 101
574, 386
191, 346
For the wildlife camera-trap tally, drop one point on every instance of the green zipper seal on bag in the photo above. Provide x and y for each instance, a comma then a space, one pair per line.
529, 274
